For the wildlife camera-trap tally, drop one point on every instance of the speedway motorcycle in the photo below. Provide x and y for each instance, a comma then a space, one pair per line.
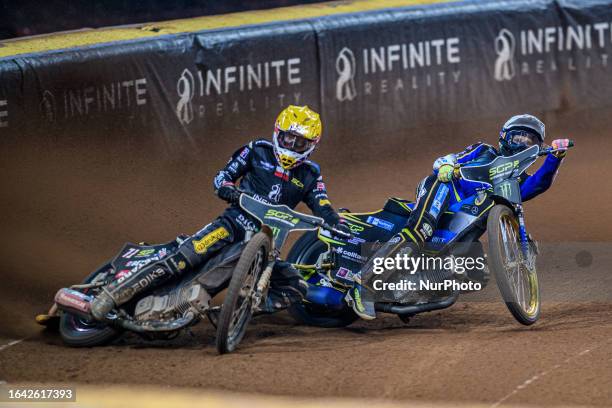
330, 265
243, 268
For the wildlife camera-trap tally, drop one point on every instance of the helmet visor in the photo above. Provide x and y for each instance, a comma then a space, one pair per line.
294, 142
522, 138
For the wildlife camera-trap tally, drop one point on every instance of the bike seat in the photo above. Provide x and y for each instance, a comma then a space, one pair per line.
398, 206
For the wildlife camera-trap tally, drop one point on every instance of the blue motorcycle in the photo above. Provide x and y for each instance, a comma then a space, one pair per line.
330, 264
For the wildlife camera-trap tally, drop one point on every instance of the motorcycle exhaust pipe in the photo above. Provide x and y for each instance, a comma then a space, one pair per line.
414, 309
75, 302
152, 326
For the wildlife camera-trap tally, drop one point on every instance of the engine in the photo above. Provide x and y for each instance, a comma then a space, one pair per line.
173, 304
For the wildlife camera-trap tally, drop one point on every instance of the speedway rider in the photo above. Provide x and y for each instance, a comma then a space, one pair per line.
445, 186
278, 173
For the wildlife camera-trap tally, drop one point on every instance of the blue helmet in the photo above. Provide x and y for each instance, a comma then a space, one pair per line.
521, 132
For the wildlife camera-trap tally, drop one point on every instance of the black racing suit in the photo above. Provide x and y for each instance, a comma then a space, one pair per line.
259, 174
255, 168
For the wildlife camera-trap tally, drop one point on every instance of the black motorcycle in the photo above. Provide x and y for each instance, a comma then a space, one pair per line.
243, 268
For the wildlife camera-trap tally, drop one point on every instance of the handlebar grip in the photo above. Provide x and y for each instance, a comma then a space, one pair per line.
571, 143
336, 231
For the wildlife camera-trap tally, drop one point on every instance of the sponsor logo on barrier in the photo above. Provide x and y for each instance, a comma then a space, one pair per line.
94, 99
185, 88
419, 64
48, 106
346, 67
3, 113
504, 64
533, 51
205, 92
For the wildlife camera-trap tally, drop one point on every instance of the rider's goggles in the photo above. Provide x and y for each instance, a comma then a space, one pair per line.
522, 138
294, 142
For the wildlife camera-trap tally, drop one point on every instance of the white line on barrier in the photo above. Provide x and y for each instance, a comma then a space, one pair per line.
10, 343
536, 377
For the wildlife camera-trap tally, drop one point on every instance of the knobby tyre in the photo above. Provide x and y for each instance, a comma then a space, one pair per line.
517, 283
237, 309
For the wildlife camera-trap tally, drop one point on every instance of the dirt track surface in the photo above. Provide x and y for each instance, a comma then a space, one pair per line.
66, 210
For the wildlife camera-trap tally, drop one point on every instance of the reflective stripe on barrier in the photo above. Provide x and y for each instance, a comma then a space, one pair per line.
88, 37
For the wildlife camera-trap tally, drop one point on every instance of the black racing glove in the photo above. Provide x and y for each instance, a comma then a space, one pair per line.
229, 193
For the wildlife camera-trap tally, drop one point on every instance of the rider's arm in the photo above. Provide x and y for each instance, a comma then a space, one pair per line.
470, 153
235, 168
317, 200
542, 179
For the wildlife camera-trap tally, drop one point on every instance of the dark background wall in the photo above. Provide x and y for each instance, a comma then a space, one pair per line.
33, 17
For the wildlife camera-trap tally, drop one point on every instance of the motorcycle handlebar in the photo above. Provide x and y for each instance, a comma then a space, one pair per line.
323, 225
335, 231
544, 152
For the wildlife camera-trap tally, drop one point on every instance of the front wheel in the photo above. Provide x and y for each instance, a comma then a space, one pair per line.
516, 276
237, 307
77, 331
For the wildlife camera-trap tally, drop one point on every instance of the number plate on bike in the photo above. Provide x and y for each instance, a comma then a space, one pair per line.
509, 189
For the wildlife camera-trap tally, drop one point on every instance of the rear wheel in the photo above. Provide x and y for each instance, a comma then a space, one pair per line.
237, 307
516, 276
77, 331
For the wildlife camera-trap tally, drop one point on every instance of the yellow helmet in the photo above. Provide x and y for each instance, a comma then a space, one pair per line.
296, 134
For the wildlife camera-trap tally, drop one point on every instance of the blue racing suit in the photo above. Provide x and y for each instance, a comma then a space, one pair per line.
434, 197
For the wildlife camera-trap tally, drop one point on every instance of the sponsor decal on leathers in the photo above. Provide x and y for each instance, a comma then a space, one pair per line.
201, 246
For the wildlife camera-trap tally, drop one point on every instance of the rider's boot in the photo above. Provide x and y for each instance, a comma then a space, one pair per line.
126, 287
362, 308
405, 243
286, 288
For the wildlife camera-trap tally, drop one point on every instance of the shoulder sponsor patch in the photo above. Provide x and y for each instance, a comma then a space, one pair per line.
201, 246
